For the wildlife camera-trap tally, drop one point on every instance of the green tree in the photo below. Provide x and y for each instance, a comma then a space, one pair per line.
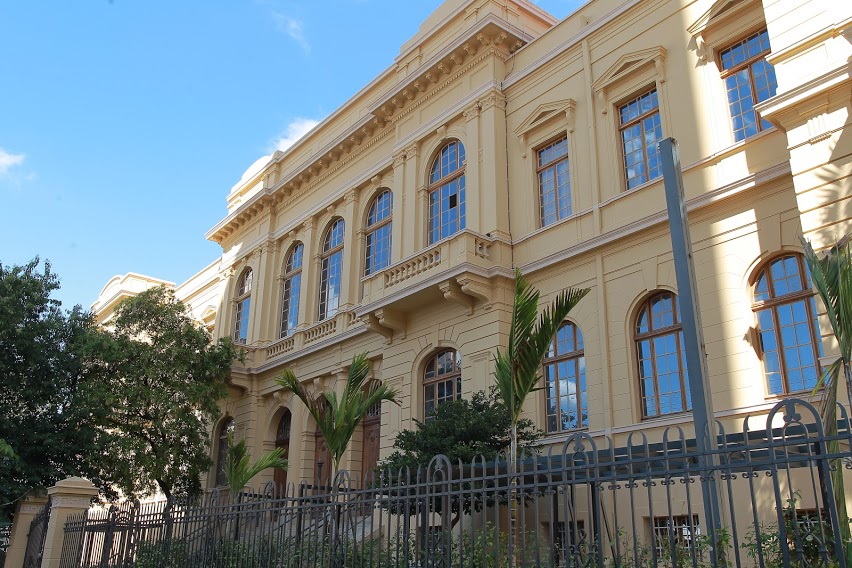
239, 471
153, 411
463, 430
41, 369
831, 275
517, 369
338, 417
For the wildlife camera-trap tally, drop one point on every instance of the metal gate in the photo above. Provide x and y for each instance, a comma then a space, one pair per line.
36, 537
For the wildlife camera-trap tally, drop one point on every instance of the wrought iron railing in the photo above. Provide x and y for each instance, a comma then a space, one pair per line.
590, 503
36, 538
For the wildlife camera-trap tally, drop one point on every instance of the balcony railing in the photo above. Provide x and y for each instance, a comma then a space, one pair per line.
464, 248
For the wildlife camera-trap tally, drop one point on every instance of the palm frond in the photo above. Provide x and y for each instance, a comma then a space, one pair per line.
239, 472
338, 416
530, 335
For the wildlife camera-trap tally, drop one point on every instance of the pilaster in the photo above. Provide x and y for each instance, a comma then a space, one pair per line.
27, 509
68, 497
492, 167
310, 274
351, 264
473, 173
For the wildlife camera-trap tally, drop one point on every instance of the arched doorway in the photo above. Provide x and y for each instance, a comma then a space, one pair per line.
282, 440
322, 460
372, 425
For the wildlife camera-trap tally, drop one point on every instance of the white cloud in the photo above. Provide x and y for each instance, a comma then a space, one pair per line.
295, 130
293, 28
8, 160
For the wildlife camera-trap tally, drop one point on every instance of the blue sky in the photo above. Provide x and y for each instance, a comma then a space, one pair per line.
124, 123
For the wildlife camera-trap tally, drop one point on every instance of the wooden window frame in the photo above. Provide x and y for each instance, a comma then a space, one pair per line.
772, 304
574, 357
553, 165
241, 310
454, 376
436, 186
287, 289
746, 64
638, 120
327, 253
372, 229
675, 329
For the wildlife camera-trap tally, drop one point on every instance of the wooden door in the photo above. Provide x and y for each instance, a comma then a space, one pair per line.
322, 460
372, 437
282, 440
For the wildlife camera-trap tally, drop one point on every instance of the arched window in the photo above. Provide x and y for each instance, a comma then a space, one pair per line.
332, 270
446, 192
790, 345
241, 318
282, 440
663, 378
292, 287
378, 250
441, 380
565, 381
226, 429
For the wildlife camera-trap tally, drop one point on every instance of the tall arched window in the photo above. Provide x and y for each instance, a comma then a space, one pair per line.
332, 270
291, 290
441, 380
663, 378
226, 429
241, 317
565, 381
446, 192
282, 440
378, 250
790, 345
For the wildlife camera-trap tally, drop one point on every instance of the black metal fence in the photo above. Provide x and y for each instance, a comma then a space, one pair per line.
36, 537
5, 537
593, 503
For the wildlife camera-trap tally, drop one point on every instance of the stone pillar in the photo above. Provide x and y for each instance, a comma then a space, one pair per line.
27, 509
68, 497
310, 274
351, 266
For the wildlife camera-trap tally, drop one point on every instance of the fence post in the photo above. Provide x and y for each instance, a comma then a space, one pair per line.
67, 497
27, 509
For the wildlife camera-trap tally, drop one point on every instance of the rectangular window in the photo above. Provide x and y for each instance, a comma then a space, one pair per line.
641, 130
554, 182
674, 535
749, 79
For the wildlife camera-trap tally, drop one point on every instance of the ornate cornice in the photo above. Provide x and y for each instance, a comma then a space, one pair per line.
493, 38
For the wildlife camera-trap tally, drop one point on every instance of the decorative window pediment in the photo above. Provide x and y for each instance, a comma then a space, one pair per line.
630, 63
720, 12
545, 114
719, 9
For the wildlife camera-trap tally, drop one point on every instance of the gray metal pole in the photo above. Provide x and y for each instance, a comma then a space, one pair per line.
693, 337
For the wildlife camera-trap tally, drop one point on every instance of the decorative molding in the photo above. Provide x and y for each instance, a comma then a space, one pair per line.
454, 293
472, 112
493, 99
630, 63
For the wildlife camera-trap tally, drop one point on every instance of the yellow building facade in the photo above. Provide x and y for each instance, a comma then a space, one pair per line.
501, 138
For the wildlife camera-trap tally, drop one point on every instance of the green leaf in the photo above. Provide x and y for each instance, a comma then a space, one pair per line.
338, 417
530, 335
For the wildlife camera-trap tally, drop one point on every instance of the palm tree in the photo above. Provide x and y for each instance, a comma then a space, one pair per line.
517, 369
338, 417
831, 275
238, 472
